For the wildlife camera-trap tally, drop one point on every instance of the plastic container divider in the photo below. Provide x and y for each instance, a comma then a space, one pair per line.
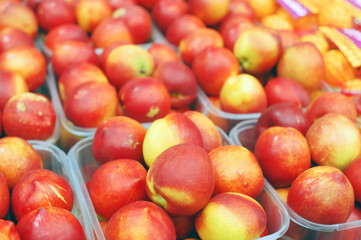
244, 134
56, 160
84, 164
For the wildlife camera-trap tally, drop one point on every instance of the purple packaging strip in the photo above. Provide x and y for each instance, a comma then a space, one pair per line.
353, 34
356, 3
295, 8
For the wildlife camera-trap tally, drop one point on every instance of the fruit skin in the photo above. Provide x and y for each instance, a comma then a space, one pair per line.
138, 20
284, 115
194, 43
17, 15
237, 170
30, 116
211, 137
213, 66
181, 179
70, 53
65, 32
180, 82
140, 220
288, 38
182, 27
110, 30
118, 137
50, 223
283, 154
232, 27
4, 197
115, 184
126, 62
331, 102
211, 12
40, 188
211, 220
10, 84
90, 13
115, 4
8, 230
53, 13
78, 74
263, 8
303, 63
162, 53
242, 93
276, 22
258, 50
334, 140
91, 103
322, 194
352, 173
241, 7
148, 4
18, 157
107, 50
28, 62
280, 89
174, 128
165, 12
13, 37
154, 103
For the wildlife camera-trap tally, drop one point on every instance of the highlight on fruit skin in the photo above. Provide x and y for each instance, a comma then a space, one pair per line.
244, 217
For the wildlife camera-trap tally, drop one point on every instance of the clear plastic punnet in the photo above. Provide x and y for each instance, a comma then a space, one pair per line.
55, 159
226, 120
244, 134
69, 133
84, 164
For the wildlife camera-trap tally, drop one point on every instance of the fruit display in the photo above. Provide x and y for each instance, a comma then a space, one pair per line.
42, 200
303, 165
181, 119
25, 101
186, 188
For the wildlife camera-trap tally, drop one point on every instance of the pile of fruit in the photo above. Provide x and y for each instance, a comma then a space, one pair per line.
130, 74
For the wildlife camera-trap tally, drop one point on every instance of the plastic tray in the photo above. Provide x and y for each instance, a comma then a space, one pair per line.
244, 134
69, 133
55, 159
84, 165
224, 119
